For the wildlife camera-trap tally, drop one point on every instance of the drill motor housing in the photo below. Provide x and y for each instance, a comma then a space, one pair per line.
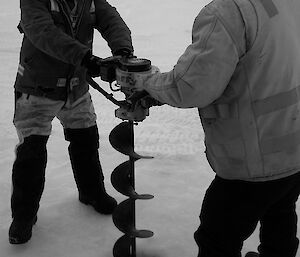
121, 70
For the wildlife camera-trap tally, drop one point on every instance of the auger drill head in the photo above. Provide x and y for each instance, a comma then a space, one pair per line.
127, 66
122, 70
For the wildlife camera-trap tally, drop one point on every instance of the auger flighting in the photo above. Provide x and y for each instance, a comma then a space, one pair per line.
135, 108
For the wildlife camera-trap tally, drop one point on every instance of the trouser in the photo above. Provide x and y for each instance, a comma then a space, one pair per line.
32, 119
28, 177
33, 115
84, 157
231, 211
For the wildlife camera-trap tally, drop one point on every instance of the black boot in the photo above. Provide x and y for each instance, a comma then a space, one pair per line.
28, 179
102, 203
84, 156
20, 231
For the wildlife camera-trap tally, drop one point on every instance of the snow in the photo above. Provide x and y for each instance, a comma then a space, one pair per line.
178, 175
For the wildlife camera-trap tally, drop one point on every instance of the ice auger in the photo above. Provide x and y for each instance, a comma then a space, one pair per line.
131, 110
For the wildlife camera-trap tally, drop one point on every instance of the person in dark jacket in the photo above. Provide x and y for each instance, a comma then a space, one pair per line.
55, 57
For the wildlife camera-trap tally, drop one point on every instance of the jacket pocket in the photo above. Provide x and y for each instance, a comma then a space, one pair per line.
43, 72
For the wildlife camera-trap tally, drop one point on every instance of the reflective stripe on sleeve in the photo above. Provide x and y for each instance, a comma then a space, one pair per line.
21, 70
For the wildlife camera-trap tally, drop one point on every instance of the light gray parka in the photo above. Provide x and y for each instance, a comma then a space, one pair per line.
242, 71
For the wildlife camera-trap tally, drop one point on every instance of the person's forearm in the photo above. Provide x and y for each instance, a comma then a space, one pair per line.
112, 27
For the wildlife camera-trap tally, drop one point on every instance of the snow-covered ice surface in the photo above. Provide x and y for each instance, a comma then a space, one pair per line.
178, 175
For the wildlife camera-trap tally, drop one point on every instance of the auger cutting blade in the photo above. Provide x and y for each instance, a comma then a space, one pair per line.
122, 247
123, 218
121, 138
120, 179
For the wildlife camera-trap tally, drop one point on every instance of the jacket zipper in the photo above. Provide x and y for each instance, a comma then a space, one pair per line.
80, 17
63, 7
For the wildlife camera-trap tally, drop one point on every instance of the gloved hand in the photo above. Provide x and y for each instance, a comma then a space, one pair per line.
108, 68
99, 67
143, 99
92, 63
137, 79
149, 101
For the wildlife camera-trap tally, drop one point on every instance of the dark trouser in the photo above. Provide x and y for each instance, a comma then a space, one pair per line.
232, 209
33, 117
28, 177
84, 156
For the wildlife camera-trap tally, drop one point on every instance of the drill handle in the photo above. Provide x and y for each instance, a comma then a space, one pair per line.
109, 96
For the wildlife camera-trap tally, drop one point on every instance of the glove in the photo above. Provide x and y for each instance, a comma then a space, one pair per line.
98, 67
136, 80
149, 101
92, 63
143, 99
108, 68
124, 52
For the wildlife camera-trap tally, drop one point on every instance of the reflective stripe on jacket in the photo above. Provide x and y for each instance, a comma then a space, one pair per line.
242, 72
54, 45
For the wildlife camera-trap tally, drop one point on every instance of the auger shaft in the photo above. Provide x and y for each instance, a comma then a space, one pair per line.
132, 182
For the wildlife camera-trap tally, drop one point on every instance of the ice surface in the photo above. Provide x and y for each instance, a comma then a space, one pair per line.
178, 175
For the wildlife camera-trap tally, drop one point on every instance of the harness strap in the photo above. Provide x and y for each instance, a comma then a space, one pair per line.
276, 102
221, 111
260, 107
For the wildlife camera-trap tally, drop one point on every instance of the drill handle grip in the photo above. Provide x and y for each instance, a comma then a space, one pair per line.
108, 68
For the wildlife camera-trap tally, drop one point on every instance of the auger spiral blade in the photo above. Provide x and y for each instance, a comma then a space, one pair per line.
122, 247
121, 138
123, 218
120, 179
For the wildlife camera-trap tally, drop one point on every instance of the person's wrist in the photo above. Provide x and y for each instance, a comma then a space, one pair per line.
92, 64
86, 59
124, 52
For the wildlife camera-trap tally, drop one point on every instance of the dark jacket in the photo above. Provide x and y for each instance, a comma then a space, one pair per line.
53, 47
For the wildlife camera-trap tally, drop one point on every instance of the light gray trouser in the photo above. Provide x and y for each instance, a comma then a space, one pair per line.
34, 114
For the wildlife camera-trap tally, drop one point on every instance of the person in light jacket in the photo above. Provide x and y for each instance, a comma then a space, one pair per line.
242, 73
55, 56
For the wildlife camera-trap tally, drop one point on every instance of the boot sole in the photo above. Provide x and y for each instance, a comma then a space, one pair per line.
17, 240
